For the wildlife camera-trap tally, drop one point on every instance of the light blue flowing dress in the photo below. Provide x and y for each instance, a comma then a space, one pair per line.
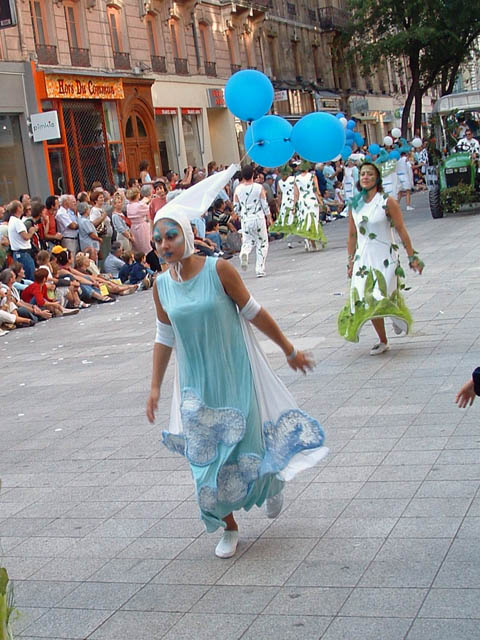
222, 436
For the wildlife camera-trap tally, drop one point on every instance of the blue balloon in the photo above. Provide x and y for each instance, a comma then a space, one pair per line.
346, 152
369, 158
267, 141
349, 135
340, 114
394, 155
374, 149
383, 156
351, 124
358, 139
249, 94
318, 137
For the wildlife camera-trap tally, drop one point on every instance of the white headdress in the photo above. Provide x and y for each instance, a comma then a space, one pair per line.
192, 203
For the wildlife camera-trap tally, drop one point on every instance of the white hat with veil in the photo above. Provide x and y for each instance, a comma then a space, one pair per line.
193, 202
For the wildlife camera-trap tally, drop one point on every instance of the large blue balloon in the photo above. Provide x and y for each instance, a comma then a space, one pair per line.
351, 124
358, 139
267, 141
249, 94
346, 152
374, 149
318, 137
394, 155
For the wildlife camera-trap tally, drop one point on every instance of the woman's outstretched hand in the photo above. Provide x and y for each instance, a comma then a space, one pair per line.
152, 404
417, 265
466, 395
302, 362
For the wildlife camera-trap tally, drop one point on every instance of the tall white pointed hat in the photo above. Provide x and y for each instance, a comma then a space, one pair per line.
194, 201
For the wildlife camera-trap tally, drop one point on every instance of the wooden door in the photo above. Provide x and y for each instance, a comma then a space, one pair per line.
137, 145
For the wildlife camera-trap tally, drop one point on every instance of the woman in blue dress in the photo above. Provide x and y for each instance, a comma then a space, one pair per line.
232, 418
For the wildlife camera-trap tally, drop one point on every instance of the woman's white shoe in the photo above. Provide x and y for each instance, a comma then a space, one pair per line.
227, 546
379, 348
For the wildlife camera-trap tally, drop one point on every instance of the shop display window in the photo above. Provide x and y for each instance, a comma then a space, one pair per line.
13, 176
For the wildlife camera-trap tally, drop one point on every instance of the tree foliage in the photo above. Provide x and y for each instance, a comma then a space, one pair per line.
435, 37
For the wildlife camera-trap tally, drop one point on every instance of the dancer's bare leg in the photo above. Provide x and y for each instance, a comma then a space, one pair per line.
230, 522
379, 326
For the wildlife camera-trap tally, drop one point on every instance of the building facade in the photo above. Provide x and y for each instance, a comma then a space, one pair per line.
124, 81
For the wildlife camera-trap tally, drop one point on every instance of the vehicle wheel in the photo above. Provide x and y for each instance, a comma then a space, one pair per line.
435, 204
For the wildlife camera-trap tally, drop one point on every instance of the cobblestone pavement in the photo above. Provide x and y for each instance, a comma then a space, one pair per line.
98, 523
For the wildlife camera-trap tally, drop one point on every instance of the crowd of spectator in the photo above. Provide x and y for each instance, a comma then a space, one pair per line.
61, 255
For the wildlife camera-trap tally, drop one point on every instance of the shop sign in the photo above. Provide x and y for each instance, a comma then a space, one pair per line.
216, 98
191, 111
93, 88
280, 96
165, 111
358, 105
45, 126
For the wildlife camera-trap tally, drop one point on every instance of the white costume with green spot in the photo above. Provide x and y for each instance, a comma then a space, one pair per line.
377, 279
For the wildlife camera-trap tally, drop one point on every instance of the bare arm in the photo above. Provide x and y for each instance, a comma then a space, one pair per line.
351, 243
395, 214
235, 288
161, 358
317, 190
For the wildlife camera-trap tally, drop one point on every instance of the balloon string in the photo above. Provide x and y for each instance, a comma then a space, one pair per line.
247, 152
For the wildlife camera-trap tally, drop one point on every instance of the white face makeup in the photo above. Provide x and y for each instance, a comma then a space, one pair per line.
169, 240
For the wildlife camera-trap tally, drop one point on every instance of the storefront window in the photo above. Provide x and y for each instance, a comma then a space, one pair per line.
167, 142
191, 136
13, 177
57, 165
115, 147
111, 121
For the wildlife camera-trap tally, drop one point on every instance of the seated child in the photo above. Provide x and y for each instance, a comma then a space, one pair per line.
124, 273
213, 233
140, 272
37, 293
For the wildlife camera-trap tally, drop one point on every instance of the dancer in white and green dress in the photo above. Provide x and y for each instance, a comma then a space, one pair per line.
232, 418
308, 225
374, 263
285, 223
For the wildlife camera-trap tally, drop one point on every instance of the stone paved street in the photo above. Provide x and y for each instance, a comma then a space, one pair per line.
98, 523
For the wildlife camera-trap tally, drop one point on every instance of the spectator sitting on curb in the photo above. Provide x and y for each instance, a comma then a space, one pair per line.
21, 282
36, 293
140, 272
113, 262
18, 307
82, 264
67, 291
65, 269
124, 273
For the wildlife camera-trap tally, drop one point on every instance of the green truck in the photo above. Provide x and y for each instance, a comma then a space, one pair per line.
457, 183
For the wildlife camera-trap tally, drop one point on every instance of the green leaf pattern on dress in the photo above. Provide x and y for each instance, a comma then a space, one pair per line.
358, 310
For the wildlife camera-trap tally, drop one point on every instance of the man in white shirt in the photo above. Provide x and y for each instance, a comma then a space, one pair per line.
19, 238
250, 203
468, 143
67, 223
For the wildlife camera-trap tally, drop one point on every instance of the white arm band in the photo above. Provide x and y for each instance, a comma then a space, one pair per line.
165, 334
251, 309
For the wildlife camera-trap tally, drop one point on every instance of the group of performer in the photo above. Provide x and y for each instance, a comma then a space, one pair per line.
232, 418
